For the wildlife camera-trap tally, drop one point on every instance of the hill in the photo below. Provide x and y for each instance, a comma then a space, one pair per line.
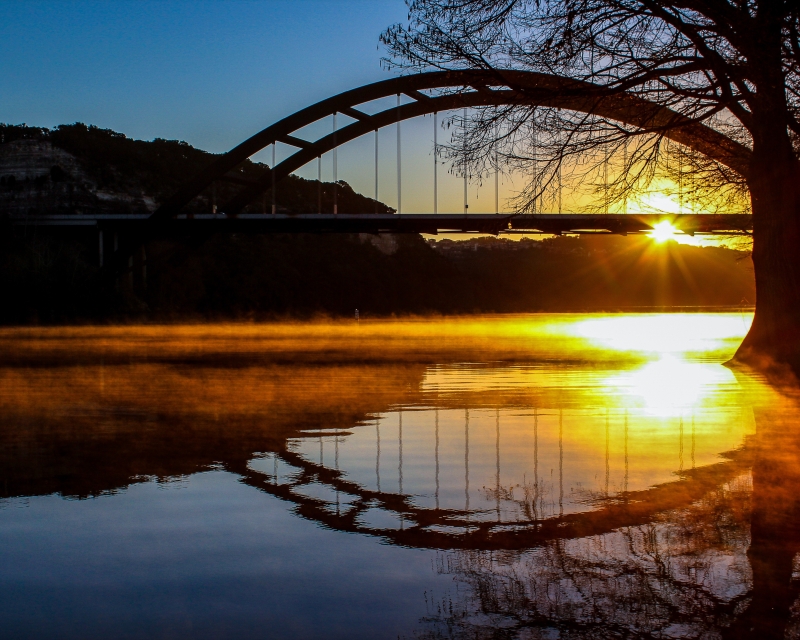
82, 169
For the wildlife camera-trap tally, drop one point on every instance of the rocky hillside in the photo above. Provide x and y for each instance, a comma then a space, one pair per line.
79, 169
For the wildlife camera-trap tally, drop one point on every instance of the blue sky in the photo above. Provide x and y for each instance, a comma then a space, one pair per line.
210, 72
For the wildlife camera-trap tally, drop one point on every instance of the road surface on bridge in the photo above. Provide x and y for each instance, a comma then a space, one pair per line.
491, 223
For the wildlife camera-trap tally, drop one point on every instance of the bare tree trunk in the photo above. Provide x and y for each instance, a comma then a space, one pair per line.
774, 338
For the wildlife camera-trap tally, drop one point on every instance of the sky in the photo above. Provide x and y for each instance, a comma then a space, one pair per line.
215, 72
208, 72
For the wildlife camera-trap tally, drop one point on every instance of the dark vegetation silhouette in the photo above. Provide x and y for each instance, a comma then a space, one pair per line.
734, 66
111, 173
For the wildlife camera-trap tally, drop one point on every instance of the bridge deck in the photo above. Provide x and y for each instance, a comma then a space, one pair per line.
503, 223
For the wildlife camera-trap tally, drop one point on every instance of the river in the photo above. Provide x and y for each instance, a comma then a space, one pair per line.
533, 476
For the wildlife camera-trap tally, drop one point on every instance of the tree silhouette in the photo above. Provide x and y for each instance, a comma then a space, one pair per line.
732, 65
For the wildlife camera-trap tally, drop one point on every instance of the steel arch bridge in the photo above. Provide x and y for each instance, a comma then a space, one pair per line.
458, 89
450, 90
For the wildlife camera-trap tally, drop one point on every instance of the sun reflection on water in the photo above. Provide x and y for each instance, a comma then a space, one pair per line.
671, 386
684, 355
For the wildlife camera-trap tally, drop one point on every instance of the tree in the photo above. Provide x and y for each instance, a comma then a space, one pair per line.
733, 65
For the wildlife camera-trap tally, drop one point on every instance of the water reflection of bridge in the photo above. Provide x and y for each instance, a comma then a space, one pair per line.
328, 493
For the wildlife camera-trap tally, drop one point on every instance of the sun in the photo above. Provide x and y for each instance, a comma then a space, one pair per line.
663, 231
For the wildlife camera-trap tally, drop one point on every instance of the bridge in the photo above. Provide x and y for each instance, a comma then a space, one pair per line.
426, 93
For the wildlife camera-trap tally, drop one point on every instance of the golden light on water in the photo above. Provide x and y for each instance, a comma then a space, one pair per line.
664, 333
567, 406
605, 437
671, 386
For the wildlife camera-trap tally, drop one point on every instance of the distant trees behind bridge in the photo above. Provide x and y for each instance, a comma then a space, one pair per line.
55, 279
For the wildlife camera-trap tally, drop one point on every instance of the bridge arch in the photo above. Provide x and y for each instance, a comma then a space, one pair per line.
481, 88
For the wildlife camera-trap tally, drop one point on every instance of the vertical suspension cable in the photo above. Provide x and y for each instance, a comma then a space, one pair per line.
535, 162
497, 454
376, 171
605, 180
436, 454
273, 179
466, 460
335, 167
336, 458
399, 165
558, 170
435, 164
378, 453
464, 151
666, 153
608, 442
680, 181
625, 175
496, 174
692, 197
535, 461
559, 186
561, 462
319, 184
400, 452
625, 480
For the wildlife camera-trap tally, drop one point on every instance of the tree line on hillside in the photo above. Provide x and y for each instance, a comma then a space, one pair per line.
139, 171
48, 279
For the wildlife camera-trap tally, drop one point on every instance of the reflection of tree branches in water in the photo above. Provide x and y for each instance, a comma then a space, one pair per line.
532, 504
683, 575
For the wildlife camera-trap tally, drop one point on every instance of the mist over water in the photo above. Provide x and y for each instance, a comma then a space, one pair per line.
511, 476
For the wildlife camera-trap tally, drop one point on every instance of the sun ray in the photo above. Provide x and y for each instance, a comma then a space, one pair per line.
663, 231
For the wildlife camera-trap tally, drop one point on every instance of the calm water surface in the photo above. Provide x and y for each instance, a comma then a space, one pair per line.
545, 476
